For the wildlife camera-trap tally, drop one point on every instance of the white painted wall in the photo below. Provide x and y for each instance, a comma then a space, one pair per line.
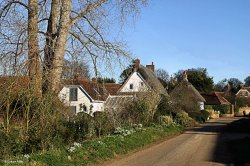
201, 104
82, 99
138, 84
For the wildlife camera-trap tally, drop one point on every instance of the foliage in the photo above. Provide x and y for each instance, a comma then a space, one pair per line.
136, 112
163, 77
220, 86
200, 116
167, 120
165, 107
242, 102
223, 109
208, 107
199, 78
184, 120
79, 127
75, 68
126, 73
93, 151
103, 123
247, 81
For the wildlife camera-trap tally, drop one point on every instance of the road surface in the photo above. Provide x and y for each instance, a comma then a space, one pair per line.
196, 147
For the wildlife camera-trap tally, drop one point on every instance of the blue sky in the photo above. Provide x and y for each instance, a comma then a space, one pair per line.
182, 34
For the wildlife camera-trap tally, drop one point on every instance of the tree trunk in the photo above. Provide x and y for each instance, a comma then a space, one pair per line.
49, 48
58, 59
33, 49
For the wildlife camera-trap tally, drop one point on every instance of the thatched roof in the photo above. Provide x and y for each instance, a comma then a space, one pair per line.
185, 87
150, 77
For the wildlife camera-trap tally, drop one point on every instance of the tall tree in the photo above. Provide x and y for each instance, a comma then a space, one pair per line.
68, 23
221, 85
247, 81
33, 49
199, 78
234, 85
163, 77
72, 69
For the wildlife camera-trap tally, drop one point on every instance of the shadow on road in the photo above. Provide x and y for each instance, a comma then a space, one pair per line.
233, 142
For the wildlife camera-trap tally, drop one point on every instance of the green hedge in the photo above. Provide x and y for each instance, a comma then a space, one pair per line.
224, 109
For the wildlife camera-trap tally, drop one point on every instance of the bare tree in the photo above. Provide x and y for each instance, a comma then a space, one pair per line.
54, 26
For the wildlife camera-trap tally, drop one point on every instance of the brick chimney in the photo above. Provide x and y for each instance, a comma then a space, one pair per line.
136, 64
151, 67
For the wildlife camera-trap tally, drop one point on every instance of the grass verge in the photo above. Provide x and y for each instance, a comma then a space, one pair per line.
97, 150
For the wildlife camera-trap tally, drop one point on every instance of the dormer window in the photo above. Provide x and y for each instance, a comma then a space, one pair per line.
73, 94
131, 86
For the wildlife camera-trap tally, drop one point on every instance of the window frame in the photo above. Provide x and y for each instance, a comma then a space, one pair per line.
73, 97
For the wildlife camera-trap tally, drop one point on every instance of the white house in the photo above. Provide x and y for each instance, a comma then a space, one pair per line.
142, 79
135, 83
86, 96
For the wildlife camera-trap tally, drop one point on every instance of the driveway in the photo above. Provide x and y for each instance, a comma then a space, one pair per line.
204, 145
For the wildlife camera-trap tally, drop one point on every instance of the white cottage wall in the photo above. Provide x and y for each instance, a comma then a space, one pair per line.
82, 99
137, 83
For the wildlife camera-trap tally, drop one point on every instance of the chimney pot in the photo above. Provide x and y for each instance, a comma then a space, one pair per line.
136, 64
151, 67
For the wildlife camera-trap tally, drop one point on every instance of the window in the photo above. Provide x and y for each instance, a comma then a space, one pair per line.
73, 94
131, 86
73, 109
142, 84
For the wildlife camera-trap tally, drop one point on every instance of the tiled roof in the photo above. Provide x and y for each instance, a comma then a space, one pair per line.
221, 98
97, 91
215, 98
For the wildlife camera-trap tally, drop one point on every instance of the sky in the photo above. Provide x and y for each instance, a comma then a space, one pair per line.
183, 34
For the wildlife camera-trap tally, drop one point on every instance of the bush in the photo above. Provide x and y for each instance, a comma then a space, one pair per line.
184, 120
200, 116
167, 120
242, 102
136, 113
103, 123
79, 127
224, 109
208, 107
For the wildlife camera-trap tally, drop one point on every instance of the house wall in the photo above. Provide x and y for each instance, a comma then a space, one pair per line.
138, 84
82, 99
243, 93
201, 104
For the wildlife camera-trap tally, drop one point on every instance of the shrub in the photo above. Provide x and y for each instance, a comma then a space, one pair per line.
135, 113
103, 123
79, 127
164, 108
208, 107
224, 109
184, 120
167, 120
200, 116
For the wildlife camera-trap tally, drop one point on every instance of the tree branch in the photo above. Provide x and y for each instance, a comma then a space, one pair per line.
87, 10
8, 5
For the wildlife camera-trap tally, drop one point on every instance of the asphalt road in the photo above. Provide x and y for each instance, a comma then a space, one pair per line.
196, 147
